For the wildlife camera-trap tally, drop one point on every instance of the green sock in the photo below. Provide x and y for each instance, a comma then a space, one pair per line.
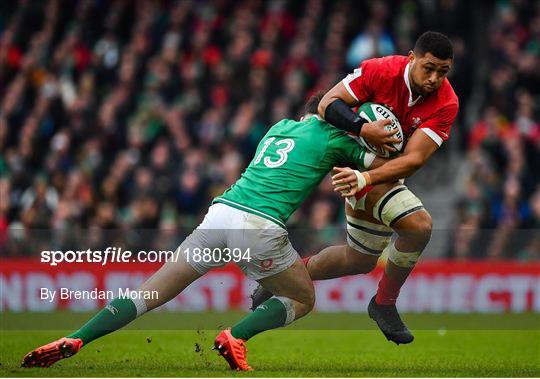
114, 316
273, 313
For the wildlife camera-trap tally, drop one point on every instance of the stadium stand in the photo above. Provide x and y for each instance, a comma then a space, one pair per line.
125, 116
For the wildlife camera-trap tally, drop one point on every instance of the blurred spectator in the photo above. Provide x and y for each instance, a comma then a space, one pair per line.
374, 42
504, 145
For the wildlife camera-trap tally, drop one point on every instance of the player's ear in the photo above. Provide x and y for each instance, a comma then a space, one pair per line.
411, 56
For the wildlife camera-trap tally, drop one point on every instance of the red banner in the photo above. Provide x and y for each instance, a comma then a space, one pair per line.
434, 286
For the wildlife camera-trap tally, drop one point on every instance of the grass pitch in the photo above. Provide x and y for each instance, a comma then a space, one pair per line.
308, 349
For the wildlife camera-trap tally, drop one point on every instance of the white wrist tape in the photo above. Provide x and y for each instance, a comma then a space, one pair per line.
360, 179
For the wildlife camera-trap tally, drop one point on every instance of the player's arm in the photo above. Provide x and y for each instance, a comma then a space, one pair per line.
343, 148
335, 108
418, 150
378, 162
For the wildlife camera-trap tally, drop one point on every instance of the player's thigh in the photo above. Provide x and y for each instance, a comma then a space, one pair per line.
366, 239
203, 248
373, 196
189, 261
193, 258
293, 282
388, 204
266, 248
187, 264
273, 261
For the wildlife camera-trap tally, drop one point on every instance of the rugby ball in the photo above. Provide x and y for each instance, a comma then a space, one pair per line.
373, 112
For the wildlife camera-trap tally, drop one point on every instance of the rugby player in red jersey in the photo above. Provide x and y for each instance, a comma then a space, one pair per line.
415, 87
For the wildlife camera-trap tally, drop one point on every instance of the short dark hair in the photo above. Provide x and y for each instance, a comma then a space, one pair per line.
312, 104
435, 43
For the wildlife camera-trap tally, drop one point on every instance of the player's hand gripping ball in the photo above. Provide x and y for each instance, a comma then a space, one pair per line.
373, 112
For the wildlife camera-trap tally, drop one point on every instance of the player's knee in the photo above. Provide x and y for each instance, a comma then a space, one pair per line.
416, 229
309, 298
424, 227
305, 304
310, 301
425, 221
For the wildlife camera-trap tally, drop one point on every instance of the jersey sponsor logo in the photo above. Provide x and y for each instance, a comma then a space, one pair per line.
416, 121
266, 265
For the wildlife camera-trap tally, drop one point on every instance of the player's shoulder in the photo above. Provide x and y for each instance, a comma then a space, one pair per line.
388, 66
318, 129
285, 123
304, 126
316, 121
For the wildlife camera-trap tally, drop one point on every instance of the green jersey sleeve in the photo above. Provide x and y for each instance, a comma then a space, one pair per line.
344, 150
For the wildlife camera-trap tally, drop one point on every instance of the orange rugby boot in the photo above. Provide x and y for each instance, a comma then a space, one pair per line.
46, 355
233, 350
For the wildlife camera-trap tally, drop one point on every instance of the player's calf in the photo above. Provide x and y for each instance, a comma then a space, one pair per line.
331, 262
294, 287
382, 307
295, 297
275, 312
401, 210
337, 261
259, 296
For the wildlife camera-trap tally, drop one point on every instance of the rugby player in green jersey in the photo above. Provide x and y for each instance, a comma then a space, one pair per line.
290, 161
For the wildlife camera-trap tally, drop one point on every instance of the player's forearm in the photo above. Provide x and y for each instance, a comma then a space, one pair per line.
335, 108
340, 115
377, 162
395, 169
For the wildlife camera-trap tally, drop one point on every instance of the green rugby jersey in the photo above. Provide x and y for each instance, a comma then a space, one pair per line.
291, 160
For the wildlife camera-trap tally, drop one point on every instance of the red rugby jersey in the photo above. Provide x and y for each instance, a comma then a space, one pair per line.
386, 81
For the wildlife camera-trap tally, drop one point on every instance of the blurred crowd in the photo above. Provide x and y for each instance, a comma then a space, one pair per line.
121, 120
498, 214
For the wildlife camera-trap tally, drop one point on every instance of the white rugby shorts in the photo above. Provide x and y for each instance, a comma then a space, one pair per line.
227, 233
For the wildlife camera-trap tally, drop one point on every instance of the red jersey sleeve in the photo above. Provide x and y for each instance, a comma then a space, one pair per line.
438, 126
360, 83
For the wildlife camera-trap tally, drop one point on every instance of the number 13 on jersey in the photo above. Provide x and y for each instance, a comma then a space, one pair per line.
283, 152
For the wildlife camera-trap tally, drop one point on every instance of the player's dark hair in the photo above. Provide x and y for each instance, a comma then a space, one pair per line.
435, 43
313, 103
